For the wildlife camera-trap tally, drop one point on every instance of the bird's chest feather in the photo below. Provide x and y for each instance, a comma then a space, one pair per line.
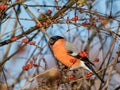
61, 54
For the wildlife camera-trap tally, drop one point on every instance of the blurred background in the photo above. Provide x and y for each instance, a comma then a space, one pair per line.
26, 60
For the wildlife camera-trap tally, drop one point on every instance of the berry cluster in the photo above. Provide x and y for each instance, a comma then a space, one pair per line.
71, 77
39, 25
3, 7
28, 66
84, 24
96, 59
14, 39
57, 8
44, 24
75, 18
49, 11
32, 43
88, 75
24, 40
83, 54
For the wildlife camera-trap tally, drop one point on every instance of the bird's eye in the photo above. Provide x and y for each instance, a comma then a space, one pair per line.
51, 41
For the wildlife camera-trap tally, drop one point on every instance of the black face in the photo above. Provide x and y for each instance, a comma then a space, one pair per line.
53, 39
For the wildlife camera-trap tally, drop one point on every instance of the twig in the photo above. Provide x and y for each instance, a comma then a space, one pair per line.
39, 75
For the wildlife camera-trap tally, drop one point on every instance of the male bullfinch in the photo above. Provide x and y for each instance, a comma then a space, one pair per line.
68, 54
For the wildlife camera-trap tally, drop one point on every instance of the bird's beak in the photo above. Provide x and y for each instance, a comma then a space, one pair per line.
49, 43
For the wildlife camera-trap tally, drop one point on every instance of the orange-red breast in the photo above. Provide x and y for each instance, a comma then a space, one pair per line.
66, 53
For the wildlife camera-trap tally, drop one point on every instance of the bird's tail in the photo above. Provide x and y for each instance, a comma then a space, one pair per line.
92, 70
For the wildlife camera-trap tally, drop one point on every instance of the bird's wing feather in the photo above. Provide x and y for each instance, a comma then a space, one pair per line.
72, 50
86, 60
91, 68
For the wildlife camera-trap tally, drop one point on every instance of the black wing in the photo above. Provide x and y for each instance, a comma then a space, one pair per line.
84, 59
89, 65
91, 68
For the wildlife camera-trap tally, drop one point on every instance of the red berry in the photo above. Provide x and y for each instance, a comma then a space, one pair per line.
31, 62
73, 19
25, 40
88, 75
84, 24
45, 24
57, 7
49, 11
83, 54
32, 43
13, 39
38, 25
25, 67
76, 17
35, 65
72, 77
30, 65
96, 59
3, 7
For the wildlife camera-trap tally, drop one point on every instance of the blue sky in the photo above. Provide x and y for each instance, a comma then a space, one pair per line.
15, 66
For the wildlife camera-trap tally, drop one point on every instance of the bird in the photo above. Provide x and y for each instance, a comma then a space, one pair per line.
66, 53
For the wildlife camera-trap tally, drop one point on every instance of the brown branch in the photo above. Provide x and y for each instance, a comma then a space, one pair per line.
7, 58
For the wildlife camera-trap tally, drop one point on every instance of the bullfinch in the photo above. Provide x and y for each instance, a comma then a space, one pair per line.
66, 53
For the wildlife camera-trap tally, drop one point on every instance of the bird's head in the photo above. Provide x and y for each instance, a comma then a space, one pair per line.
53, 39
